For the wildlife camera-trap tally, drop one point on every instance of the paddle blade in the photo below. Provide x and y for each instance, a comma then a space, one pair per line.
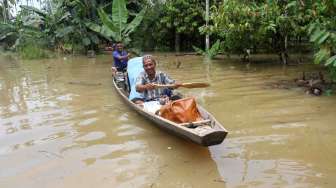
185, 85
195, 85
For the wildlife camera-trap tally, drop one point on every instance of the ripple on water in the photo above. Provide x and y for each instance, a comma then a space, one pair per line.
87, 122
92, 136
289, 125
273, 139
88, 112
33, 137
67, 97
239, 166
90, 153
123, 117
128, 130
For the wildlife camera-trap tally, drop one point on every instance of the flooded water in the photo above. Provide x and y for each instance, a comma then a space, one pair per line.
63, 125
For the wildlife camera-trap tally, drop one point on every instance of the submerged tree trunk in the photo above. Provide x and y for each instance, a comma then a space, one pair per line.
284, 53
177, 42
281, 43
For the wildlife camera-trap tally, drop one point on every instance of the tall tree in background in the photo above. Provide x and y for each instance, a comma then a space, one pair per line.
182, 17
207, 37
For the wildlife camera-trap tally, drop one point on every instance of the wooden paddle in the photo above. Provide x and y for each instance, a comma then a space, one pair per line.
185, 85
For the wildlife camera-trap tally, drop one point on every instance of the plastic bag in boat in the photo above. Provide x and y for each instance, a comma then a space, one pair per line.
152, 106
134, 68
181, 111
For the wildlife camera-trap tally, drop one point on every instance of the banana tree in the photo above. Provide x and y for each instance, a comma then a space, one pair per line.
211, 52
5, 6
8, 34
15, 35
65, 28
115, 27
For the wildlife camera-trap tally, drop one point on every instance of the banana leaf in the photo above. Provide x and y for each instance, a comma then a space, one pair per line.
61, 32
116, 26
106, 20
119, 15
7, 35
102, 30
135, 23
331, 61
37, 11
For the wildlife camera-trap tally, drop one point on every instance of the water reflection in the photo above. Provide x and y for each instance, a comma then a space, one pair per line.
253, 168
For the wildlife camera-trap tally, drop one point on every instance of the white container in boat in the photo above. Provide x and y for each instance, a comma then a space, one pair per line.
120, 77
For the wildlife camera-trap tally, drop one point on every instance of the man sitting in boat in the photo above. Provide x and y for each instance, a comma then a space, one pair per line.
120, 58
148, 81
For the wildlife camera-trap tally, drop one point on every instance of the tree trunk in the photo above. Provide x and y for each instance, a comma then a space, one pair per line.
207, 38
5, 11
177, 42
93, 10
285, 52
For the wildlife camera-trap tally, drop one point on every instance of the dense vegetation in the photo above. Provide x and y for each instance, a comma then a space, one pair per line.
236, 26
277, 26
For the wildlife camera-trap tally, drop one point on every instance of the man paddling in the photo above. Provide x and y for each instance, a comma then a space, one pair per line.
120, 57
148, 80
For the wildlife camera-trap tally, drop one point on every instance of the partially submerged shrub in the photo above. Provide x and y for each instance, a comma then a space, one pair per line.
33, 51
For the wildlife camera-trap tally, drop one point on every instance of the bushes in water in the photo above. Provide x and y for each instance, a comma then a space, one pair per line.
33, 51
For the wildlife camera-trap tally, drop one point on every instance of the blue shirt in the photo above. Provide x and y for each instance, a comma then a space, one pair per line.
120, 64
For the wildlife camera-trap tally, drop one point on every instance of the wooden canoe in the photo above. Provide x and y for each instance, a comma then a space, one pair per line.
206, 133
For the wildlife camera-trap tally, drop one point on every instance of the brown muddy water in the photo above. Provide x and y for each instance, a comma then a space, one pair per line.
57, 134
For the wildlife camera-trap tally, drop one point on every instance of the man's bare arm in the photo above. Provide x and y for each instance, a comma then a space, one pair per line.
141, 88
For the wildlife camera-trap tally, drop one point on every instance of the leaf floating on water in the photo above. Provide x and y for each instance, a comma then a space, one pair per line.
219, 180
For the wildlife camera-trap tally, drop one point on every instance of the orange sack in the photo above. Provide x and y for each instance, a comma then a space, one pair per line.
181, 111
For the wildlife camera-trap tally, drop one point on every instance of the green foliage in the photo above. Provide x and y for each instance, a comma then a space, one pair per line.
116, 27
181, 19
236, 24
199, 51
322, 34
24, 37
17, 34
8, 34
214, 50
271, 25
5, 13
184, 16
66, 24
61, 27
33, 51
244, 25
151, 36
